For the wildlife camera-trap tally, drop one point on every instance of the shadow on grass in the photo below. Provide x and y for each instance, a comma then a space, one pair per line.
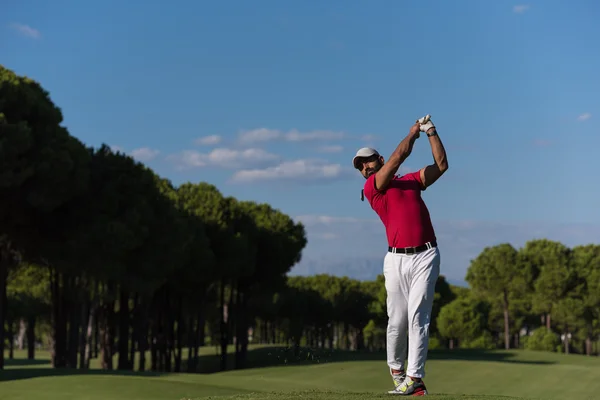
484, 355
23, 362
13, 374
261, 357
285, 356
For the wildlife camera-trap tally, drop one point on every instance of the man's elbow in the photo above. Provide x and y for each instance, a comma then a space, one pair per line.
443, 167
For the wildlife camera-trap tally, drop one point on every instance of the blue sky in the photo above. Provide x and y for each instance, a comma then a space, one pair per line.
269, 100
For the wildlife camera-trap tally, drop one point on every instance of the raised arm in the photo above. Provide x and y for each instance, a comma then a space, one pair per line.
389, 169
433, 172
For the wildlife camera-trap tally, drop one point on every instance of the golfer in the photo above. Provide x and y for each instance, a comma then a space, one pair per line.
412, 263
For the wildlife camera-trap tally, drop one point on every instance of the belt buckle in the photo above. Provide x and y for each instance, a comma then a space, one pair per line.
410, 250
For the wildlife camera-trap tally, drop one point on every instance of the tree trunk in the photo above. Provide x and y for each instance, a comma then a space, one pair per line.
143, 333
160, 335
153, 343
143, 347
135, 330
168, 328
102, 327
201, 326
506, 323
330, 336
239, 327
92, 317
180, 331
548, 321
11, 340
106, 335
198, 337
347, 344
296, 343
3, 277
169, 323
123, 344
268, 324
84, 319
91, 334
59, 321
261, 331
112, 328
451, 344
244, 332
589, 340
97, 333
31, 337
224, 319
74, 317
192, 343
22, 334
231, 314
359, 339
74, 336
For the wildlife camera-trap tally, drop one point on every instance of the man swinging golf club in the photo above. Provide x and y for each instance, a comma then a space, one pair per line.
412, 263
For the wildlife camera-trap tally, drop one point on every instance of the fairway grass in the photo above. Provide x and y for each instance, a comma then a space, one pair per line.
451, 375
321, 395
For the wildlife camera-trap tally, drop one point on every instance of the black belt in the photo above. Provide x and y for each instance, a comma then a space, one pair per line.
413, 250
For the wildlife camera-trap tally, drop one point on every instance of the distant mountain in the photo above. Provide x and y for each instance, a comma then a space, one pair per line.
355, 268
362, 269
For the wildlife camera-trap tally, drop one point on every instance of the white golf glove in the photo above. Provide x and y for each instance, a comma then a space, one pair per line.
425, 123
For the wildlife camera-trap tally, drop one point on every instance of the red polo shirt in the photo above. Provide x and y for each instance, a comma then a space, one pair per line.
402, 210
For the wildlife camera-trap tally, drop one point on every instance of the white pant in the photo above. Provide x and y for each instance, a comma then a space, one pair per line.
410, 285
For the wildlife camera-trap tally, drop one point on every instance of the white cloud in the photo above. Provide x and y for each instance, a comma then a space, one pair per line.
208, 140
117, 149
26, 30
295, 136
258, 135
356, 246
313, 220
144, 154
584, 117
521, 8
223, 158
298, 170
265, 134
330, 149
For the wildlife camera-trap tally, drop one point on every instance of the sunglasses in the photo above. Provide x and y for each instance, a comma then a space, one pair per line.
360, 162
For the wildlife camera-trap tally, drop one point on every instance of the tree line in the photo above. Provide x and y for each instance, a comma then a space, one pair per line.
543, 296
130, 262
102, 257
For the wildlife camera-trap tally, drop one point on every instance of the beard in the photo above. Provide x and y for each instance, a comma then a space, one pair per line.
372, 170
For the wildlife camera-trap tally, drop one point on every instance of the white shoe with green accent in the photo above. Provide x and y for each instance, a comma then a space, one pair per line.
398, 378
408, 387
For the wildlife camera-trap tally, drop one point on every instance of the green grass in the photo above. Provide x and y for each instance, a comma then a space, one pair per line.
276, 374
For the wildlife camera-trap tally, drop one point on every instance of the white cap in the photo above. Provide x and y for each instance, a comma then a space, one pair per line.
365, 152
